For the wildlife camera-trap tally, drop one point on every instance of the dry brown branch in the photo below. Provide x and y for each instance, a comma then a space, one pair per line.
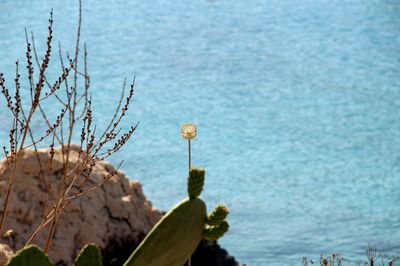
75, 114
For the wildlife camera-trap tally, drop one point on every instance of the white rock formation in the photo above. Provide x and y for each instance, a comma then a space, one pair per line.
5, 253
115, 210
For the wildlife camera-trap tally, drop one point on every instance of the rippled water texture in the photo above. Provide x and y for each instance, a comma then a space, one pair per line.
297, 103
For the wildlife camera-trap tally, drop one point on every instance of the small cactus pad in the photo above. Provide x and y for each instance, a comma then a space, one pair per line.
29, 256
195, 182
217, 215
89, 255
214, 232
174, 238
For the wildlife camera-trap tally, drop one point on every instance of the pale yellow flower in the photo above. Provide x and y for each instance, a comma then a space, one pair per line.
189, 131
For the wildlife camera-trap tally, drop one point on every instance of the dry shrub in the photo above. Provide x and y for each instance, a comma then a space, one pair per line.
70, 90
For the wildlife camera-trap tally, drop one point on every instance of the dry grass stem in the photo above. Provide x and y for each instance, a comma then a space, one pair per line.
75, 115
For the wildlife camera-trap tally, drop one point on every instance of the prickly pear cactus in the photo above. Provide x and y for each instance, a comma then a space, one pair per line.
90, 255
195, 182
217, 215
216, 231
175, 237
29, 256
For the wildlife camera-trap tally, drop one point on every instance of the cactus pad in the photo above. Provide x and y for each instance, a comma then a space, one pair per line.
217, 215
217, 231
195, 182
174, 238
29, 256
89, 255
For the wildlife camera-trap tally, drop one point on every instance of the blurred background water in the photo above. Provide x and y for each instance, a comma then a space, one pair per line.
297, 104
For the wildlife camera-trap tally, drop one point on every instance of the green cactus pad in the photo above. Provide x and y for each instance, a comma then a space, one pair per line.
217, 215
174, 238
217, 231
29, 256
195, 182
90, 255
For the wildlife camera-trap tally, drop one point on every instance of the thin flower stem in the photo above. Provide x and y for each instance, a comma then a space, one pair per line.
190, 165
190, 155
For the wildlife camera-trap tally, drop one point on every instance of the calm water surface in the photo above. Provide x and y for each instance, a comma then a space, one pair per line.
297, 103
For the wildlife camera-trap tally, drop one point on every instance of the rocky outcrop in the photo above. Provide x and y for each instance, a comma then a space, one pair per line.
115, 210
5, 253
117, 216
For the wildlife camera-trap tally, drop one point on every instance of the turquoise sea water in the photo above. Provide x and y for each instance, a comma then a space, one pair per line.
297, 104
